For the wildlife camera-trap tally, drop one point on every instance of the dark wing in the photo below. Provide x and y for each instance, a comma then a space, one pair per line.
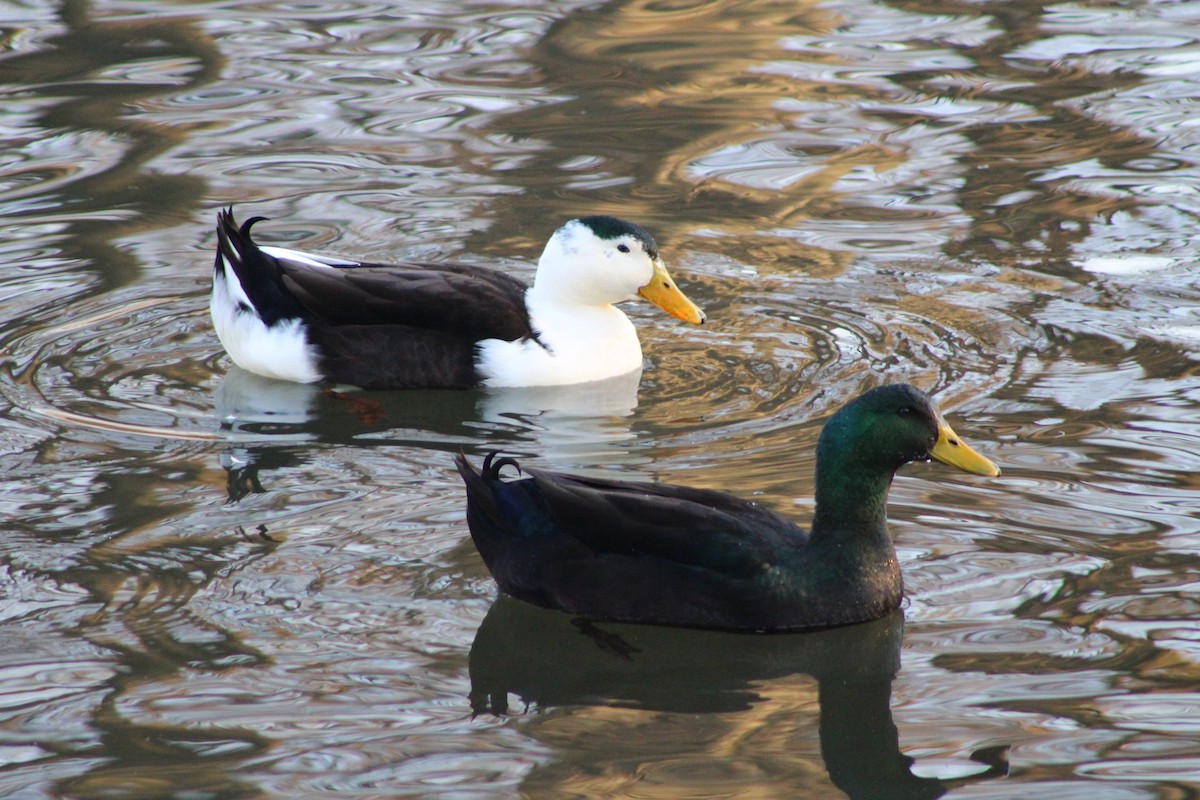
471, 301
466, 301
691, 527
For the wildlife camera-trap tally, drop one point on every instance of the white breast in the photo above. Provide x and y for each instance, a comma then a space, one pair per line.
585, 343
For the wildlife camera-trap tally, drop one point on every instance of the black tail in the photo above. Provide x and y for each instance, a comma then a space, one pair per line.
478, 479
258, 274
491, 529
479, 483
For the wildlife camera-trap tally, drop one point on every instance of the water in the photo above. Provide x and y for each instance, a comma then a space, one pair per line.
215, 586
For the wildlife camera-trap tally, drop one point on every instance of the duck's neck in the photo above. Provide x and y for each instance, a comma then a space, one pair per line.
575, 293
587, 319
549, 294
851, 497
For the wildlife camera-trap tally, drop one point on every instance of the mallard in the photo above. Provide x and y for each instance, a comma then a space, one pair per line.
673, 555
307, 318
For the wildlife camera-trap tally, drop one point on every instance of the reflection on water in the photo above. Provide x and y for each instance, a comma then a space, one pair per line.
522, 650
587, 424
214, 585
77, 162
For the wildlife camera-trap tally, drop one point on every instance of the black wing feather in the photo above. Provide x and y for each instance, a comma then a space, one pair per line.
466, 301
629, 551
693, 527
470, 301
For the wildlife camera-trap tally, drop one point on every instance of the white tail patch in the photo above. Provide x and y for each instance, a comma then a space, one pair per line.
233, 290
281, 351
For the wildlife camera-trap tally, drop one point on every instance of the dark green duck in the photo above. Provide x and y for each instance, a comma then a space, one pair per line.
672, 555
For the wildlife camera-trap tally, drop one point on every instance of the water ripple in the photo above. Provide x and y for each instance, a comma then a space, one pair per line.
256, 588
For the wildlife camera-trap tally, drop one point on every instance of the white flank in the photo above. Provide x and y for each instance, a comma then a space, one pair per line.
281, 351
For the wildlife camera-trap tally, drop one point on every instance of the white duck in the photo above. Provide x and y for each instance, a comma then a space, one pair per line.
308, 318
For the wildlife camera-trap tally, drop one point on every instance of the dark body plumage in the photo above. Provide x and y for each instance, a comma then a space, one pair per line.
410, 325
655, 553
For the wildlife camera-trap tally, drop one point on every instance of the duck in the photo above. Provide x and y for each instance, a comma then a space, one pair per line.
640, 552
295, 316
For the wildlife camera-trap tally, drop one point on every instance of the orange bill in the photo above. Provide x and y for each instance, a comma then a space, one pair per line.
662, 291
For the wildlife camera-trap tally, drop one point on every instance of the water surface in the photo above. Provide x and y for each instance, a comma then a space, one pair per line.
217, 586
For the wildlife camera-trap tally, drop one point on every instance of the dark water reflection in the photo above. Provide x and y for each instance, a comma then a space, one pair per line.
520, 650
212, 585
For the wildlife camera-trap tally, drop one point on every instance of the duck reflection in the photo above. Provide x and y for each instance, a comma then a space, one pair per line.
249, 403
587, 424
576, 426
546, 658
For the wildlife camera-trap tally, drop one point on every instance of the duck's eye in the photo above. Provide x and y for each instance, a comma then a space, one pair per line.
906, 410
624, 248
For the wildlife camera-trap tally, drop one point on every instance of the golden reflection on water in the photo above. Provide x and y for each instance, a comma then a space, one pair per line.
681, 99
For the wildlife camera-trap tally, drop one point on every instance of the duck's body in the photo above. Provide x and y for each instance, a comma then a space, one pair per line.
653, 553
301, 317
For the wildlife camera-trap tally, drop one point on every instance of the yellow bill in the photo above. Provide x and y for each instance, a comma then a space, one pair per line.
663, 292
952, 450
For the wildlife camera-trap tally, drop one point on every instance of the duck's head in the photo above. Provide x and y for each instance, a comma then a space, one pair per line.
603, 260
892, 425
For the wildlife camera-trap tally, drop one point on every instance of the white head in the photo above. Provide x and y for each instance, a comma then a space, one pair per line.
599, 261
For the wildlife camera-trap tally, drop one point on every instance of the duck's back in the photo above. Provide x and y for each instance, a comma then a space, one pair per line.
409, 325
474, 302
655, 553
